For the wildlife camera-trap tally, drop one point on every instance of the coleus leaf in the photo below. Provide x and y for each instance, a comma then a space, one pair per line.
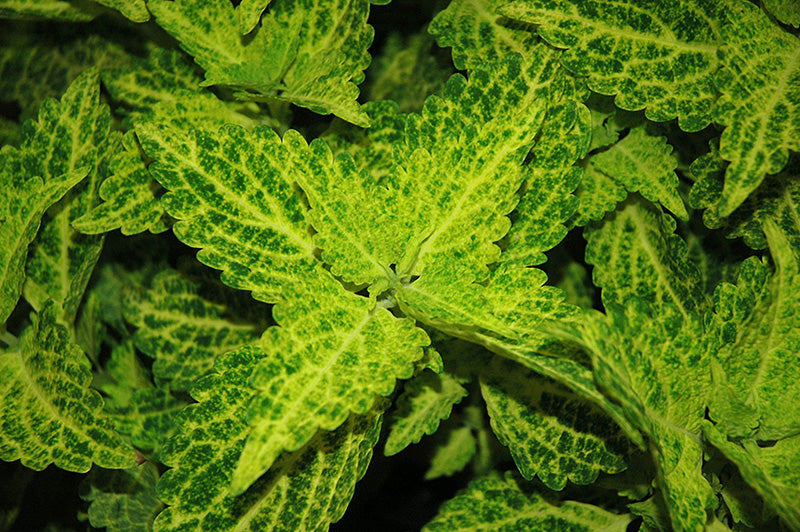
550, 432
786, 11
52, 416
331, 356
658, 56
454, 454
129, 194
61, 260
304, 490
185, 325
497, 504
770, 470
426, 400
48, 9
123, 500
248, 14
309, 53
135, 10
760, 102
756, 369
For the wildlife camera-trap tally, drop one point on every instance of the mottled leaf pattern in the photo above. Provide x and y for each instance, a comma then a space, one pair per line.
185, 325
248, 14
426, 400
305, 490
46, 9
656, 55
123, 500
760, 102
757, 366
53, 417
323, 363
499, 504
135, 10
550, 432
786, 11
129, 194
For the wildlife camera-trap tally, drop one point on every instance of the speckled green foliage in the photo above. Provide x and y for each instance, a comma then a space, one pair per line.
47, 9
643, 163
185, 325
660, 56
771, 470
550, 432
636, 254
402, 59
135, 10
454, 454
505, 504
760, 102
58, 150
786, 11
123, 500
312, 381
305, 490
51, 414
147, 418
67, 137
426, 400
129, 197
309, 53
248, 14
757, 368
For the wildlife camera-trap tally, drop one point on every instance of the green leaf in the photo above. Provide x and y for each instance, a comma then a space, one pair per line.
48, 9
658, 55
329, 357
21, 212
550, 432
52, 416
309, 53
32, 70
477, 34
123, 500
234, 179
597, 195
653, 361
757, 367
69, 135
495, 504
402, 59
134, 10
636, 253
454, 454
148, 418
760, 102
305, 490
644, 163
786, 11
185, 325
426, 400
129, 195
248, 14
153, 79
770, 470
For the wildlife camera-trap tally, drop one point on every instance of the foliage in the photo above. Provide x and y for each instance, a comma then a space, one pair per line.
543, 256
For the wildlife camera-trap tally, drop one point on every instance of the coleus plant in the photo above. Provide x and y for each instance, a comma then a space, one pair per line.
575, 260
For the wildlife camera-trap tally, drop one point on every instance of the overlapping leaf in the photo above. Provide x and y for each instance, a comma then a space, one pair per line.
786, 11
757, 366
661, 56
331, 356
123, 500
498, 504
309, 53
70, 135
550, 432
760, 102
248, 14
229, 190
770, 470
426, 400
305, 490
637, 254
135, 10
129, 194
47, 9
51, 414
185, 326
